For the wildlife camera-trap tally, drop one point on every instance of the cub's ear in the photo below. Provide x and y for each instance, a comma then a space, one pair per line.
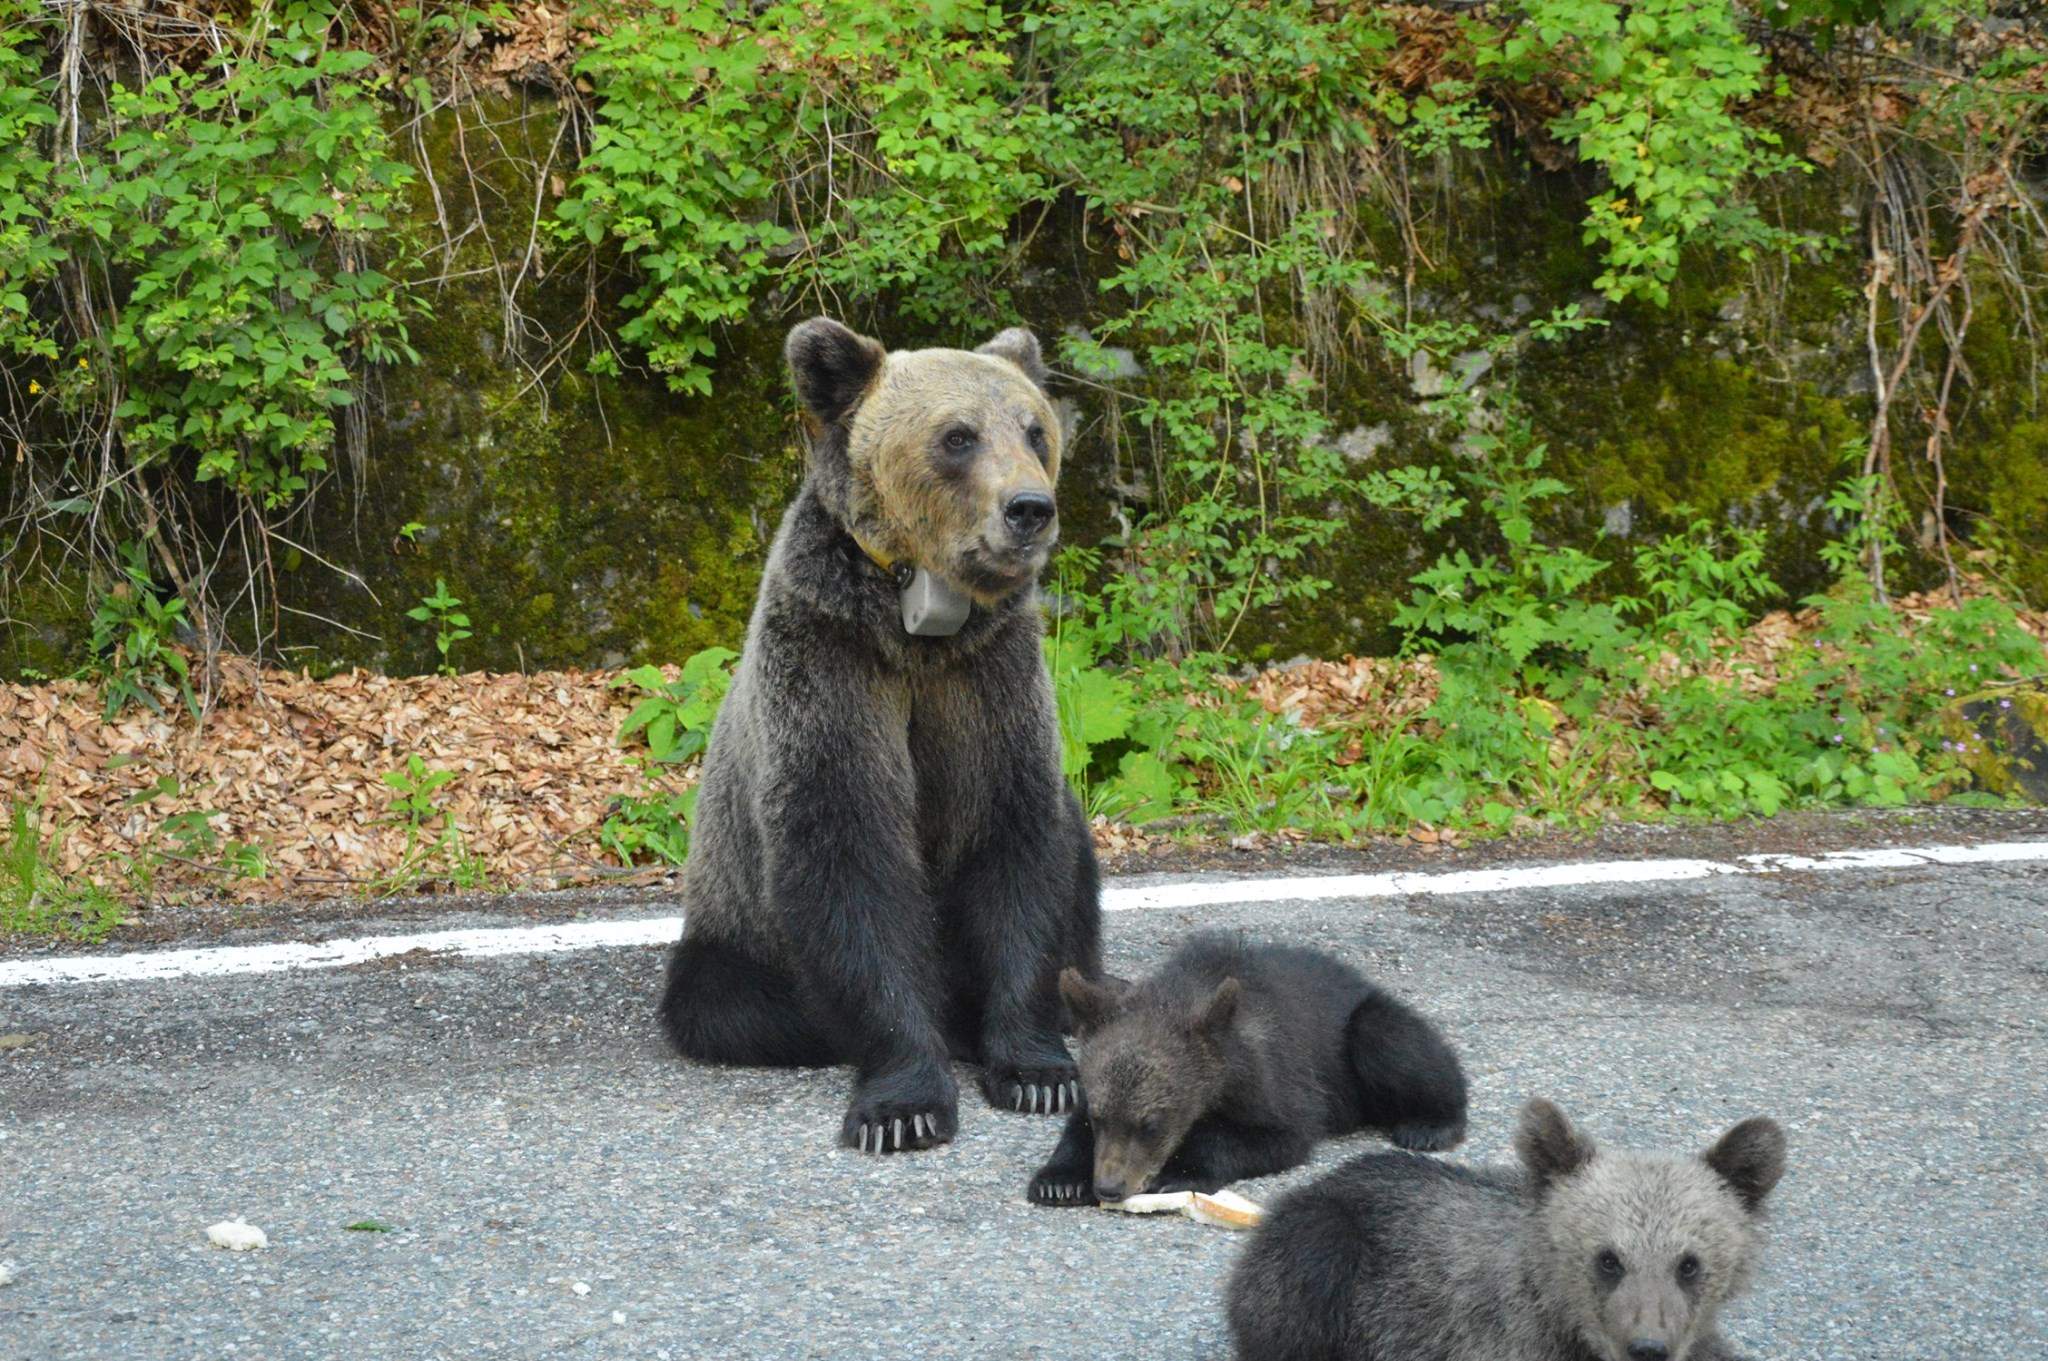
1089, 1005
1020, 347
1750, 1158
1548, 1145
1215, 1015
831, 366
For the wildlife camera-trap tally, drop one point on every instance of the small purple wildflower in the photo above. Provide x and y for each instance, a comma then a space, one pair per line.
1950, 693
2005, 704
1973, 668
1838, 739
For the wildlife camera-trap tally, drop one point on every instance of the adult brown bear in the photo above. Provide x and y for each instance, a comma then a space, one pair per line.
888, 870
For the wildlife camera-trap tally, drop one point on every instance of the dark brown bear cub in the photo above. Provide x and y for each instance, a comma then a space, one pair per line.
1231, 1062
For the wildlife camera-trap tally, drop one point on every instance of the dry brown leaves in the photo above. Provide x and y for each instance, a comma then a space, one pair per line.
294, 766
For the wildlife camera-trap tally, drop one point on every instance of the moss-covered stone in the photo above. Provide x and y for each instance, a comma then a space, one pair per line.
582, 519
2003, 735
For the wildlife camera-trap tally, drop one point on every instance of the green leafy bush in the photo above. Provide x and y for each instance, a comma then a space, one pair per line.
1656, 88
869, 146
675, 716
131, 635
444, 612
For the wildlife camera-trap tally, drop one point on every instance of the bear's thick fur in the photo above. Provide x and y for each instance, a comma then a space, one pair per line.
1232, 1061
887, 868
1579, 1255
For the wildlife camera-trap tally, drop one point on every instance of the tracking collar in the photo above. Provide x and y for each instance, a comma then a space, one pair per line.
931, 607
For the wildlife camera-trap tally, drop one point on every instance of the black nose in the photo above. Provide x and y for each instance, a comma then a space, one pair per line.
1645, 1350
1028, 513
1109, 1190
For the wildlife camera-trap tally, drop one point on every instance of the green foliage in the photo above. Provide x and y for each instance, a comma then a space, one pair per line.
1181, 123
674, 720
675, 716
412, 802
866, 145
36, 896
224, 247
451, 625
30, 254
186, 283
1656, 87
654, 826
131, 634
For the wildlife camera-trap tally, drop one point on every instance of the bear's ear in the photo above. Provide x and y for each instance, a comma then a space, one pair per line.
1089, 1005
1214, 1016
831, 366
1750, 1158
1548, 1145
1020, 347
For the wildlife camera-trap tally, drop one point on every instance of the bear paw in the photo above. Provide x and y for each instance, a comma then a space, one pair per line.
1063, 1187
1421, 1137
1053, 1089
883, 1125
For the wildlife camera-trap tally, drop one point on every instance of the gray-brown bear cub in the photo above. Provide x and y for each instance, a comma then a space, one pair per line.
887, 869
1582, 1254
1232, 1061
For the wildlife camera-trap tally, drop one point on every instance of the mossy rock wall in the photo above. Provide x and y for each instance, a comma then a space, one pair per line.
592, 520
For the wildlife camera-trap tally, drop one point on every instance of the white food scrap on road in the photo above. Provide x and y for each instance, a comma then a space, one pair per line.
237, 1235
1222, 1209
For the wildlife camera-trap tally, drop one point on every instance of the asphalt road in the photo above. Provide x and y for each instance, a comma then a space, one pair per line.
519, 1127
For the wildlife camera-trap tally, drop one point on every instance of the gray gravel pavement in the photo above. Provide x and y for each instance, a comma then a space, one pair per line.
518, 1125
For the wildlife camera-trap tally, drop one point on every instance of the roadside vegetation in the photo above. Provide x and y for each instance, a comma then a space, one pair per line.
208, 255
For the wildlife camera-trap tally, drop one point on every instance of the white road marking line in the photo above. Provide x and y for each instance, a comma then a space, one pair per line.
486, 942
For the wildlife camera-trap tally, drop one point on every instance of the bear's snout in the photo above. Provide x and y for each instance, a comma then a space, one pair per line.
1648, 1349
1027, 514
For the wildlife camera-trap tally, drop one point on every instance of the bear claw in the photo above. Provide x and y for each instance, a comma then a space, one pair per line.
1062, 1190
889, 1133
1055, 1097
1043, 1098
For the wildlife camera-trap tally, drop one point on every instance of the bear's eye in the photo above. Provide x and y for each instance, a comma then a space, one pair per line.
1609, 1263
1035, 436
958, 440
1688, 1267
1149, 1128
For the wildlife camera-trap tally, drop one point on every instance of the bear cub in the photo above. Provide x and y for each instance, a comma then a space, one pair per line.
1581, 1254
1232, 1061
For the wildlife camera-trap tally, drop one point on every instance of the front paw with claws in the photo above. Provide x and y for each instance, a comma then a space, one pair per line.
898, 1123
1052, 1090
1062, 1187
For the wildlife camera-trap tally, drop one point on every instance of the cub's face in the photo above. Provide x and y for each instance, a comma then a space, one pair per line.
950, 456
1643, 1250
1148, 1072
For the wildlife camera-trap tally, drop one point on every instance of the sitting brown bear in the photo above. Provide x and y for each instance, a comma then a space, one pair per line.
888, 869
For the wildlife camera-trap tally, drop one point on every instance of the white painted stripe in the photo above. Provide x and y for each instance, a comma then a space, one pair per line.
486, 942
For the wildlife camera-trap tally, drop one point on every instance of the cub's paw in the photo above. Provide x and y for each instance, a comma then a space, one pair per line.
1047, 1089
1422, 1137
881, 1120
1063, 1187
